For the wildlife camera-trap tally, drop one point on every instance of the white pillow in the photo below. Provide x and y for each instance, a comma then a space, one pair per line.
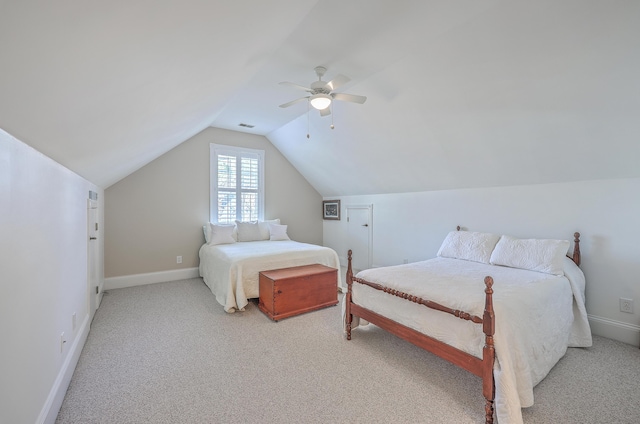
542, 255
248, 231
207, 232
221, 234
278, 232
264, 228
468, 245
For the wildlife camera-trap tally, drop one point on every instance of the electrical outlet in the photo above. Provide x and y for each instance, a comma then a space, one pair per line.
405, 261
626, 305
178, 259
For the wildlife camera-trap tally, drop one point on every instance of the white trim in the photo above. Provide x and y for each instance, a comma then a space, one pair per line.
150, 278
51, 408
221, 149
616, 330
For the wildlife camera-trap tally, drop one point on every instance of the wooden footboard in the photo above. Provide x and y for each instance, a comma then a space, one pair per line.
480, 367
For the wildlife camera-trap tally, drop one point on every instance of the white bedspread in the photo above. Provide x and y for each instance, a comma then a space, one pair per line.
537, 317
231, 270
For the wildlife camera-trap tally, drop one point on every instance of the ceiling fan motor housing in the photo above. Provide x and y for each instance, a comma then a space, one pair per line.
318, 87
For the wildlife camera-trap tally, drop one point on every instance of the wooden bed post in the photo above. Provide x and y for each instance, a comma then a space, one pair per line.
348, 317
576, 248
488, 352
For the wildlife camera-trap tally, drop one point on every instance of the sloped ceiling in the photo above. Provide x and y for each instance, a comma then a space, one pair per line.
460, 94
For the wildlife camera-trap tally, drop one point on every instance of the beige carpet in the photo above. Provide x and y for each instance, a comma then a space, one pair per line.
168, 353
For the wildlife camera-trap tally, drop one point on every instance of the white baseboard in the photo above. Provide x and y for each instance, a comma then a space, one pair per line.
50, 410
150, 278
616, 330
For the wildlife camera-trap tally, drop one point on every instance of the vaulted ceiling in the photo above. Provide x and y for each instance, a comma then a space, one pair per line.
460, 94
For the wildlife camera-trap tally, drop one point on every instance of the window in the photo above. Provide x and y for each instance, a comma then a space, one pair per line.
237, 184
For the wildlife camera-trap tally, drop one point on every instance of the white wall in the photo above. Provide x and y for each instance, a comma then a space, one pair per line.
43, 280
412, 226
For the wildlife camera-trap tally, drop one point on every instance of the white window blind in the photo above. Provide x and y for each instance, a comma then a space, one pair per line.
237, 184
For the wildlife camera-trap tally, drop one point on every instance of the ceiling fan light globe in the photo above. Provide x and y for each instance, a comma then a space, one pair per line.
320, 101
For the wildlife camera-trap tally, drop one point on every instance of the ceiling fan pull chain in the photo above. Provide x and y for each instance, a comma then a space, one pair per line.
332, 113
308, 125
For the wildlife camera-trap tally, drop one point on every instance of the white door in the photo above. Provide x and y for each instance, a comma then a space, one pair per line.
93, 282
360, 235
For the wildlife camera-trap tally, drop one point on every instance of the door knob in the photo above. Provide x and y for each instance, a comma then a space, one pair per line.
365, 225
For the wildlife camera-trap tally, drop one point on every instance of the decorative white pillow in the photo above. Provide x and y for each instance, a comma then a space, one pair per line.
221, 234
542, 255
207, 232
264, 228
278, 232
468, 245
248, 231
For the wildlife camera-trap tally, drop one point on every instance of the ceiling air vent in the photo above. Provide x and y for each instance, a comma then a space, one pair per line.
242, 124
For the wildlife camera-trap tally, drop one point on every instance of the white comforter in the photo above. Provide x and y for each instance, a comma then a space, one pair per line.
231, 270
537, 317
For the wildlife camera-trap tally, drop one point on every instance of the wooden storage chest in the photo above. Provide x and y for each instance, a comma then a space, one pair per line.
292, 291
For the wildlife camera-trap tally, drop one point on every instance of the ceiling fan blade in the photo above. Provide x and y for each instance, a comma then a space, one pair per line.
325, 112
293, 102
349, 97
337, 82
291, 84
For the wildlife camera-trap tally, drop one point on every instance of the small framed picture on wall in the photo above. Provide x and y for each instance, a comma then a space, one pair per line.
331, 209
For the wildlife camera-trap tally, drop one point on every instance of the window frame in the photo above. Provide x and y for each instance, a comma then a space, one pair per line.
239, 152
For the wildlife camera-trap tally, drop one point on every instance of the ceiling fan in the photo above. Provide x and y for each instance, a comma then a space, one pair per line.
321, 93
